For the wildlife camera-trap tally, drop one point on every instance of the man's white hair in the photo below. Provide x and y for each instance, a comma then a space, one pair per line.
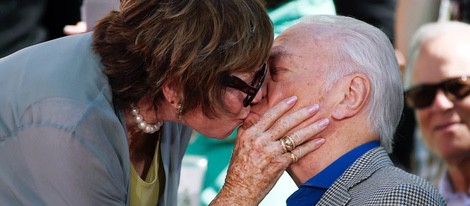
423, 34
362, 48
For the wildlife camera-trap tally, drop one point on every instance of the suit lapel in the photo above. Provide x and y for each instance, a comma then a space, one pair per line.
337, 194
361, 169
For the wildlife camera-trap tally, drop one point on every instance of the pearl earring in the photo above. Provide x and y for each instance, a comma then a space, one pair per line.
179, 110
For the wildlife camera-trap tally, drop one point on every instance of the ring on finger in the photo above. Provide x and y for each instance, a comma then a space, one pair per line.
291, 142
283, 144
294, 158
287, 143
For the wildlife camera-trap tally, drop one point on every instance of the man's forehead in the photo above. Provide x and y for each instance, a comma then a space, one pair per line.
296, 43
307, 53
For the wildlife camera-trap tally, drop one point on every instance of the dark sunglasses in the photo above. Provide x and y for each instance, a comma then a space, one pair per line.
422, 96
251, 90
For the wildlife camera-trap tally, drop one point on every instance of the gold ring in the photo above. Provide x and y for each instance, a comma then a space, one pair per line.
291, 142
283, 144
288, 144
294, 158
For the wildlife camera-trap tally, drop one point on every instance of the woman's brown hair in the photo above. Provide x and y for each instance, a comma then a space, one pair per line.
191, 43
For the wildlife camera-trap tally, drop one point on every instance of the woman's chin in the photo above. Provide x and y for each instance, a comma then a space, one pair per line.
220, 135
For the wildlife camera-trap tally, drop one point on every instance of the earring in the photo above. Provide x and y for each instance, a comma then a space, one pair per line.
179, 110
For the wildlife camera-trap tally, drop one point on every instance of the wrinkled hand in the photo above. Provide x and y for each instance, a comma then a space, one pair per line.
259, 158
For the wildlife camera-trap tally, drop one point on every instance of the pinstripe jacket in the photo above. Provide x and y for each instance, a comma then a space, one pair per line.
374, 180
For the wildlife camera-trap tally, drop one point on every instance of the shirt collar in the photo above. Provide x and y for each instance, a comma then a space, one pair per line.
328, 176
447, 191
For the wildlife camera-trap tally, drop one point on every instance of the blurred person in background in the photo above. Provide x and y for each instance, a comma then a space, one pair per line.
20, 24
27, 22
437, 75
411, 15
90, 12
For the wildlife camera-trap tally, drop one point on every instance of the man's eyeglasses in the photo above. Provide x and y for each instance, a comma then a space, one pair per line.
422, 96
251, 90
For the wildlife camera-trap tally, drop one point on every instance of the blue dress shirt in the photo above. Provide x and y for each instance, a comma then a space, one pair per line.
311, 191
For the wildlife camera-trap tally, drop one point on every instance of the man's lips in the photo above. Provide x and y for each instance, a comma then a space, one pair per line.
446, 125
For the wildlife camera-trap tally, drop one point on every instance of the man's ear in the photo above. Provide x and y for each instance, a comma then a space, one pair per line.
171, 93
356, 93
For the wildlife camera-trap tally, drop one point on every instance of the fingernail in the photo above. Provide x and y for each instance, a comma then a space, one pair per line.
319, 141
314, 108
323, 123
292, 100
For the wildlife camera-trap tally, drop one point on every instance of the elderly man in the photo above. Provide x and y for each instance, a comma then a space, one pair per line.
460, 46
438, 75
350, 68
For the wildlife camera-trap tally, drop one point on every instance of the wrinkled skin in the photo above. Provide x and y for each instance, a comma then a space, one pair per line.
444, 123
258, 158
444, 130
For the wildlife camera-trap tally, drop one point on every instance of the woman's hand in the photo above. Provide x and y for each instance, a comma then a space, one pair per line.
262, 152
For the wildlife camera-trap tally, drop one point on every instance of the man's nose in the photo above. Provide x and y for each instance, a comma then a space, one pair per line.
259, 96
441, 101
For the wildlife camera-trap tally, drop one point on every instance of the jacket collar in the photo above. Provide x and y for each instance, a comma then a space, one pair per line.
360, 170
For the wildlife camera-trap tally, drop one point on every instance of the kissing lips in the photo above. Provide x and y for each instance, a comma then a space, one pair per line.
252, 119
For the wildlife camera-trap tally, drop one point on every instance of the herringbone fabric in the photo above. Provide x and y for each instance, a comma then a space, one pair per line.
373, 180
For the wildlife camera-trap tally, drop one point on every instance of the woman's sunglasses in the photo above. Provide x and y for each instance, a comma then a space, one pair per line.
251, 90
422, 96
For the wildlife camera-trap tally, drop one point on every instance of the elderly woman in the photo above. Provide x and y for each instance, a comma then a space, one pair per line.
104, 118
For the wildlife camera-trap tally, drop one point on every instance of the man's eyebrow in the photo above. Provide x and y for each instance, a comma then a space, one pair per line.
280, 52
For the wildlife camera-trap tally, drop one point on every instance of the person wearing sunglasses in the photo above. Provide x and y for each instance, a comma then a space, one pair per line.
104, 118
438, 85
